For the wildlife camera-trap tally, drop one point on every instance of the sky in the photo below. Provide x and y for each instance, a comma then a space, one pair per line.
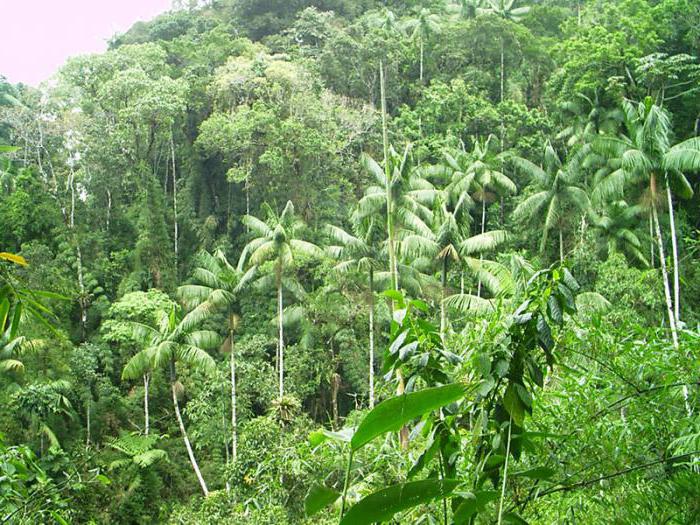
38, 36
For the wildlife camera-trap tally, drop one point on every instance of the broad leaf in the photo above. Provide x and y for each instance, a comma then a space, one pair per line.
318, 498
393, 413
382, 505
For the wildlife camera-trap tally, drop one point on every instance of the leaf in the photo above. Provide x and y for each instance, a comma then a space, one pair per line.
393, 413
513, 404
318, 498
511, 517
17, 259
383, 504
322, 435
473, 503
536, 473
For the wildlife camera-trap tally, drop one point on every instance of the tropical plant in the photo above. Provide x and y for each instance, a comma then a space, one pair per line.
422, 28
615, 228
642, 158
217, 286
363, 252
557, 191
138, 454
278, 240
165, 345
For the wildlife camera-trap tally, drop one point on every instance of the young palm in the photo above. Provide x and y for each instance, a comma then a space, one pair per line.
278, 240
360, 251
558, 191
421, 29
448, 242
642, 158
403, 196
217, 284
168, 345
616, 230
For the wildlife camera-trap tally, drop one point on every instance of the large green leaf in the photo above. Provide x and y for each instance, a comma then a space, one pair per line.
383, 504
393, 413
473, 503
318, 498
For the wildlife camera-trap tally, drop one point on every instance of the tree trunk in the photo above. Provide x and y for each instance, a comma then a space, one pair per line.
443, 313
181, 424
421, 60
403, 433
651, 241
483, 230
87, 423
146, 414
664, 273
335, 388
280, 321
387, 189
371, 339
676, 264
503, 69
234, 419
175, 223
561, 246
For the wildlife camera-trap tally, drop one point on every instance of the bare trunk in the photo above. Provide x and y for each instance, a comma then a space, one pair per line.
664, 273
387, 173
676, 265
483, 230
651, 241
561, 246
503, 69
443, 313
421, 59
403, 433
190, 453
109, 207
146, 413
371, 339
234, 419
175, 223
87, 423
281, 338
335, 388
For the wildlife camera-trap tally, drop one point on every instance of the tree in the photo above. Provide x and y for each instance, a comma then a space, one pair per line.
615, 228
643, 158
360, 251
556, 192
165, 345
421, 28
278, 240
218, 284
504, 9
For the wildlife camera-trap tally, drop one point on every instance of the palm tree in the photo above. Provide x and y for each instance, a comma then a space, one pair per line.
403, 196
506, 10
360, 251
449, 241
278, 240
616, 225
217, 286
588, 117
165, 346
421, 28
642, 158
557, 191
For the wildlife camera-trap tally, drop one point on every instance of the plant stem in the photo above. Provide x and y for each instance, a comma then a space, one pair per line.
346, 484
505, 474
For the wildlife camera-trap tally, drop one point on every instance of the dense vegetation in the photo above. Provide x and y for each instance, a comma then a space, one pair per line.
355, 261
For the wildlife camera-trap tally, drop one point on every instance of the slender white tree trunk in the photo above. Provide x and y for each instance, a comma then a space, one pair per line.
234, 419
175, 223
371, 340
87, 422
503, 69
281, 338
664, 273
443, 313
421, 59
483, 229
181, 424
651, 241
146, 413
561, 246
676, 264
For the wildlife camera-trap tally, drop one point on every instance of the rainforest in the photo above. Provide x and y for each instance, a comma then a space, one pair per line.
349, 262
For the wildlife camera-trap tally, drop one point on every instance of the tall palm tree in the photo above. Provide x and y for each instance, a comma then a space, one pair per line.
642, 158
167, 345
361, 251
616, 230
217, 285
278, 240
421, 29
557, 190
588, 117
507, 10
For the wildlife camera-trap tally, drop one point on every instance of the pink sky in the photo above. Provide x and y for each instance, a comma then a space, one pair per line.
37, 36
